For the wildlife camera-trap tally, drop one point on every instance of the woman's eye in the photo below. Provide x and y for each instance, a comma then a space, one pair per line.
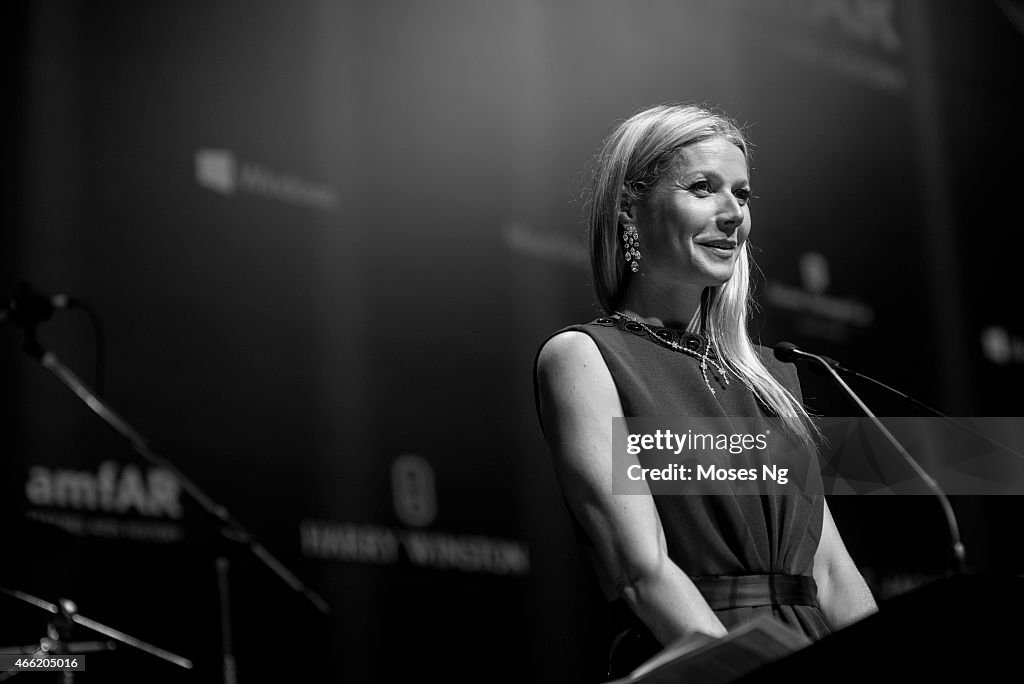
743, 195
701, 187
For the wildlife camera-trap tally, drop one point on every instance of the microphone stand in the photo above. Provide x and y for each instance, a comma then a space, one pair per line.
231, 528
956, 545
57, 633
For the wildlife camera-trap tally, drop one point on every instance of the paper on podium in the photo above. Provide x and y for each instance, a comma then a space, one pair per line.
710, 660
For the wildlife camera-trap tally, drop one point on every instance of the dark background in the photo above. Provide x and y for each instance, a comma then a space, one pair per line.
385, 293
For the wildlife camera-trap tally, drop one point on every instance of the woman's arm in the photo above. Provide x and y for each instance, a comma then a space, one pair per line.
842, 592
578, 400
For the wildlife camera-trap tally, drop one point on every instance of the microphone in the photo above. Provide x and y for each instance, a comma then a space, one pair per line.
787, 352
28, 308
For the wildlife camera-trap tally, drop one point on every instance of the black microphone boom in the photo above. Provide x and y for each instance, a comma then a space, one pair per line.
788, 352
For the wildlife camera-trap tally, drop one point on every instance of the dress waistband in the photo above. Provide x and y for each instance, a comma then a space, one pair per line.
737, 591
747, 591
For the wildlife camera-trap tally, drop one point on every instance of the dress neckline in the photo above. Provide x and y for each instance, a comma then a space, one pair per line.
692, 341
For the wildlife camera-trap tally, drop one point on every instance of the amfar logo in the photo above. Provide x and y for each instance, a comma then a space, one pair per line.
222, 172
153, 493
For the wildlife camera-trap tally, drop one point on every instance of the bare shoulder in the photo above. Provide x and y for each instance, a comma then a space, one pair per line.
566, 350
572, 358
573, 379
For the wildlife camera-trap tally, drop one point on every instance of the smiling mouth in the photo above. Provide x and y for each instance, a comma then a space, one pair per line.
723, 246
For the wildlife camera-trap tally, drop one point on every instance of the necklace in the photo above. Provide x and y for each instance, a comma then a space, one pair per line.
672, 344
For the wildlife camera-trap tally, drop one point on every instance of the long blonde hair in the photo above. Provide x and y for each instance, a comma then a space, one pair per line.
633, 158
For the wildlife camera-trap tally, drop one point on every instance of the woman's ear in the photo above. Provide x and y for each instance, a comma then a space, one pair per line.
627, 216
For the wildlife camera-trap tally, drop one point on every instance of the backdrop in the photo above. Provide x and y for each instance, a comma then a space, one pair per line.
325, 239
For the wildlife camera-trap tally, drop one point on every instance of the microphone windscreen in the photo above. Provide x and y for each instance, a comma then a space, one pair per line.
786, 352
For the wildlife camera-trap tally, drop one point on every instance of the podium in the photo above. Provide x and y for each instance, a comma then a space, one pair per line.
962, 625
705, 659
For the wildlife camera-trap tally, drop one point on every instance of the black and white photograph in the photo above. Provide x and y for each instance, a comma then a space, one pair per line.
554, 341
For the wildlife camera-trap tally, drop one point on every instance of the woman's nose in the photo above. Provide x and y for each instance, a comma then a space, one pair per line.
730, 214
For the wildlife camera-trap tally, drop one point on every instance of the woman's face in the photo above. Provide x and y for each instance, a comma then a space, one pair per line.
695, 219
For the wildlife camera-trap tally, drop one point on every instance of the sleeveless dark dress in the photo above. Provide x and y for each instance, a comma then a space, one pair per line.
749, 537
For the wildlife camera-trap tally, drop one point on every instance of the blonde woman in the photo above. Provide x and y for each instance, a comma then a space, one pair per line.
669, 223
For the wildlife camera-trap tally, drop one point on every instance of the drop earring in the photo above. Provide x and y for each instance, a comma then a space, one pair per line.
631, 246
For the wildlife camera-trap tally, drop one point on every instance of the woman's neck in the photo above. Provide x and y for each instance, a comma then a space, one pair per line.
670, 306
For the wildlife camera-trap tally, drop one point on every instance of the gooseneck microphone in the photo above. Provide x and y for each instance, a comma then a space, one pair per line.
788, 352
